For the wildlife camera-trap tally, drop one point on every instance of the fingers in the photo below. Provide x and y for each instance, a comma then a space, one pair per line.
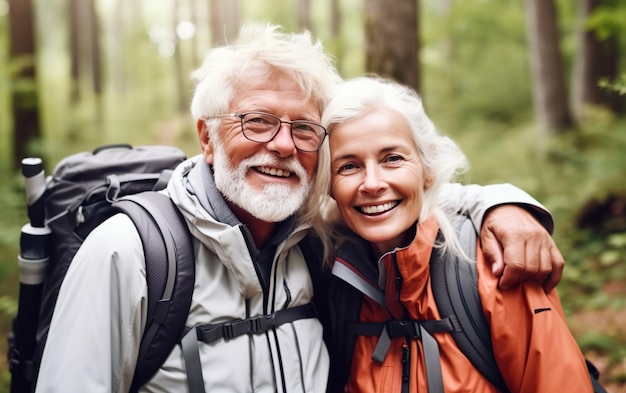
492, 251
558, 264
520, 249
517, 266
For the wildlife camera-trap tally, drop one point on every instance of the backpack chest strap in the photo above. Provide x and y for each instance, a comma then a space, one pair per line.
417, 329
397, 328
228, 330
254, 325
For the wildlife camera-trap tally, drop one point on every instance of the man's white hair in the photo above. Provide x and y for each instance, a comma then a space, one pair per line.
260, 52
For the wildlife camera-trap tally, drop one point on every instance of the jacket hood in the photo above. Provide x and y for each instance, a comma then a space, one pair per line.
193, 191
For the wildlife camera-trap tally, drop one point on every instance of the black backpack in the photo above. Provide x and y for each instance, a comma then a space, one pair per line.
84, 190
454, 286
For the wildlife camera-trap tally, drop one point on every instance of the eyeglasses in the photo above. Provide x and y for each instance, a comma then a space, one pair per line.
262, 127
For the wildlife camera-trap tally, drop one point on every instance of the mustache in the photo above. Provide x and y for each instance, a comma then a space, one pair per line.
264, 159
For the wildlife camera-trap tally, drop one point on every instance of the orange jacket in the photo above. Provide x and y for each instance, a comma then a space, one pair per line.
532, 344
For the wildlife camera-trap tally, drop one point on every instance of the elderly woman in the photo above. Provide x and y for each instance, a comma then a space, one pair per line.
388, 165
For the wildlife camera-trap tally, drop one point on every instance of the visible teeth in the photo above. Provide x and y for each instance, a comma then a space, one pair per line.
379, 208
274, 171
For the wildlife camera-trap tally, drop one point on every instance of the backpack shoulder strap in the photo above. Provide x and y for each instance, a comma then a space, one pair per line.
170, 275
455, 287
311, 248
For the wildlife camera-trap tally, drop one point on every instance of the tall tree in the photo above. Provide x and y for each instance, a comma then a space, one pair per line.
84, 36
304, 15
178, 61
392, 40
94, 48
596, 59
335, 18
118, 48
549, 91
24, 101
224, 20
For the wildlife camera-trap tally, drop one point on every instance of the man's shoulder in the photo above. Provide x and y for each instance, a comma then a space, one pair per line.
116, 237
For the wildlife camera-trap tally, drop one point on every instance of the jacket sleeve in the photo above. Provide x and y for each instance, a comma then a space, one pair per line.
532, 344
476, 201
95, 330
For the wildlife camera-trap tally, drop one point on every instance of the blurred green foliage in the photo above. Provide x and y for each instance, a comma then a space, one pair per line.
476, 87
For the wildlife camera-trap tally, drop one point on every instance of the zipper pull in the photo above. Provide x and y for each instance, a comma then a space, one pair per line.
398, 287
406, 367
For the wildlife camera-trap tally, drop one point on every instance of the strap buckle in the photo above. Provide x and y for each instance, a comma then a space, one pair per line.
403, 328
256, 324
228, 331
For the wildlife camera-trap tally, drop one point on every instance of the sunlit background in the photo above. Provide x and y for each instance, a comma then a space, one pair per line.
119, 72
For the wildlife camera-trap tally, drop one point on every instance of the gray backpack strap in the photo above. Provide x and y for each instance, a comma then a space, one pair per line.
455, 287
170, 275
191, 355
358, 282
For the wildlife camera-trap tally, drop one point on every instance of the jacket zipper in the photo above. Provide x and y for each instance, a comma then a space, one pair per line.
398, 279
406, 367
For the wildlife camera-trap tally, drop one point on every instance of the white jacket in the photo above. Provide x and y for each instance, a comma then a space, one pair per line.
101, 310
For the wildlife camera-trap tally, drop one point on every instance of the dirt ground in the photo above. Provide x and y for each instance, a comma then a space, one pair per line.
610, 322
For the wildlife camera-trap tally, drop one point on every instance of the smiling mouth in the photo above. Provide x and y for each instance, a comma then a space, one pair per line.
378, 209
273, 171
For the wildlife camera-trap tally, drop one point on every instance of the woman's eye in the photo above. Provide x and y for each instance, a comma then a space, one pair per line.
346, 168
394, 158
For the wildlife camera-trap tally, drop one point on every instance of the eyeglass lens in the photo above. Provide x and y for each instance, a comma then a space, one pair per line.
262, 127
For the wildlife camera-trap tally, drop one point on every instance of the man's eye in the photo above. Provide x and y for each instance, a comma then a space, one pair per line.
303, 127
258, 120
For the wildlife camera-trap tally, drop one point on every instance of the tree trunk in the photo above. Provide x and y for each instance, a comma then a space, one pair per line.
75, 63
94, 48
178, 62
596, 59
392, 40
24, 102
304, 15
195, 19
549, 92
85, 59
118, 52
224, 20
335, 18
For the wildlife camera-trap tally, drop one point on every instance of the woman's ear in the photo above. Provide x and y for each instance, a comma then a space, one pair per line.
428, 181
205, 140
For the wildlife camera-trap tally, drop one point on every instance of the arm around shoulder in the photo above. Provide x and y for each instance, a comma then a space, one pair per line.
476, 201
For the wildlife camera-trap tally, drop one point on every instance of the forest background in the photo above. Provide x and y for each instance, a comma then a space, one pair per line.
533, 91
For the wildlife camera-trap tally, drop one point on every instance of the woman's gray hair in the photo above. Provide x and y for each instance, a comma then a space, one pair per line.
442, 159
260, 53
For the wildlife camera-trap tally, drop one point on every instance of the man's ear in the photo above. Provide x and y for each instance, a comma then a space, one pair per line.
205, 141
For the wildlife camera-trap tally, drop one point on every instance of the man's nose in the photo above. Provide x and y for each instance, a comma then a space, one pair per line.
283, 143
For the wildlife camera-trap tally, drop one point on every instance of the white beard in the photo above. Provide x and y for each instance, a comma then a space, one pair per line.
275, 202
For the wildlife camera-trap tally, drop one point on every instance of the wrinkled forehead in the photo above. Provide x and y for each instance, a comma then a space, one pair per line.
271, 78
272, 93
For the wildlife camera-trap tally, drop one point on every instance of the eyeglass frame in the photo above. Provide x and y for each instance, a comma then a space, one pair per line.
241, 117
